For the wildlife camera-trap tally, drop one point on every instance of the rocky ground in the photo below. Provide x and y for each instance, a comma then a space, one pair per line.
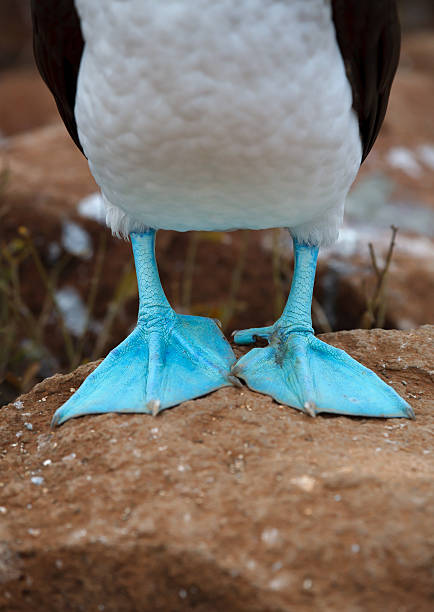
229, 502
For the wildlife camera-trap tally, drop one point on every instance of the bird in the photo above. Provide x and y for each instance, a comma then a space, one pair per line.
220, 115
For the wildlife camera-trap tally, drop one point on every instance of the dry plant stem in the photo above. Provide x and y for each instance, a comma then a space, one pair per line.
376, 306
320, 317
279, 294
54, 277
121, 295
94, 285
67, 338
187, 281
13, 293
7, 332
237, 274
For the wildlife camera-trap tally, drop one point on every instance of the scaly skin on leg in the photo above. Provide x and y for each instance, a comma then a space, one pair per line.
299, 370
166, 360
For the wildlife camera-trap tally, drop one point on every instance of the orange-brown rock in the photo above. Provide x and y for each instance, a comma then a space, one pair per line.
25, 102
230, 502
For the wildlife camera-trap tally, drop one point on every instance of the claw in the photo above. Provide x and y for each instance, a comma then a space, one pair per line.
154, 407
410, 412
310, 408
235, 381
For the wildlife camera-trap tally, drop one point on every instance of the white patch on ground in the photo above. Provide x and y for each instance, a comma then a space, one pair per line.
37, 480
403, 159
305, 483
426, 155
76, 240
372, 203
92, 207
54, 251
73, 310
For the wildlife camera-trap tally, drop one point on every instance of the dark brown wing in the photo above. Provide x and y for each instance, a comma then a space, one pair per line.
58, 47
369, 37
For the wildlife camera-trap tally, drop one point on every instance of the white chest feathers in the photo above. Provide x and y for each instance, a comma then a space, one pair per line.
217, 114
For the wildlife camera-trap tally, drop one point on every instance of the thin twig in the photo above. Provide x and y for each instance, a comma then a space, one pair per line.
93, 290
376, 305
67, 338
279, 294
187, 281
237, 274
121, 294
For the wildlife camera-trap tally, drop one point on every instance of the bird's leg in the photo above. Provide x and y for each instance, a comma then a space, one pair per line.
299, 370
167, 359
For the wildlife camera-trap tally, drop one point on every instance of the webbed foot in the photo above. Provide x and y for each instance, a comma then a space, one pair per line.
166, 360
181, 359
301, 371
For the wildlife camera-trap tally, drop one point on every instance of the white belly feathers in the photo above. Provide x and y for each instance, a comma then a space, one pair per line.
217, 114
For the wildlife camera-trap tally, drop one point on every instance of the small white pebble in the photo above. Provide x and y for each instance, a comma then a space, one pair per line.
59, 564
378, 449
183, 593
19, 434
72, 390
46, 462
181, 468
355, 548
43, 399
70, 457
37, 480
3, 510
278, 583
270, 536
305, 482
277, 566
18, 404
337, 498
307, 584
28, 426
29, 506
162, 448
426, 451
154, 430
34, 532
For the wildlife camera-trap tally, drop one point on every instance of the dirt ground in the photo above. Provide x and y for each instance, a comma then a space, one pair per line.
229, 502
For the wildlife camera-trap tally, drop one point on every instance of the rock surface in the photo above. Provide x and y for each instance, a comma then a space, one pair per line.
230, 502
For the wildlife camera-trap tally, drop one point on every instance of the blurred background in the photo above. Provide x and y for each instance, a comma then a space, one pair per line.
67, 287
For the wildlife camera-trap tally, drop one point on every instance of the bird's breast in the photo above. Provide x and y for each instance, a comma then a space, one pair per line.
216, 102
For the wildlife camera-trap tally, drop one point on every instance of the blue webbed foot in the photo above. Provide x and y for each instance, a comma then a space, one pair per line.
301, 371
183, 358
166, 360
